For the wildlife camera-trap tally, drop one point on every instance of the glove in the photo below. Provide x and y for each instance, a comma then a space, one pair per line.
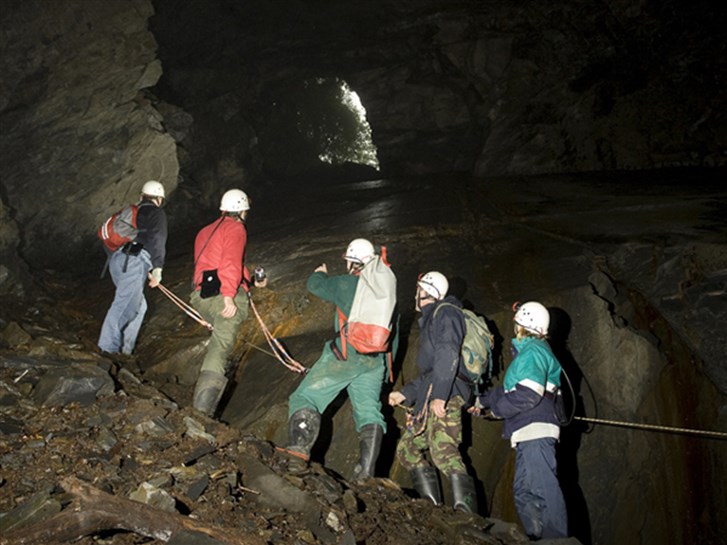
484, 401
156, 273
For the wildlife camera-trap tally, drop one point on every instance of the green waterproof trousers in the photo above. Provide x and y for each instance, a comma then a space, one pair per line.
441, 437
225, 329
361, 376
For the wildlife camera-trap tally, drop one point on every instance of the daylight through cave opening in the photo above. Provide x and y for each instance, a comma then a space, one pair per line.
319, 120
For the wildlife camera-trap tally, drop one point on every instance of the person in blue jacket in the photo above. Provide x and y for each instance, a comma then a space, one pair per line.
437, 397
526, 402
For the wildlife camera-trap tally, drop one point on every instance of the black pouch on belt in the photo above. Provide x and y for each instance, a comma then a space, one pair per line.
132, 248
210, 285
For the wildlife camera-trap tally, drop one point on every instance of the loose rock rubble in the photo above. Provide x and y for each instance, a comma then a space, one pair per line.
62, 426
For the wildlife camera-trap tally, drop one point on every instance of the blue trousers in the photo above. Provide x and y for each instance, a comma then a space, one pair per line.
123, 319
538, 498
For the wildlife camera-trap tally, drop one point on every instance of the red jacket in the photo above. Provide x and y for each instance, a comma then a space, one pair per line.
221, 246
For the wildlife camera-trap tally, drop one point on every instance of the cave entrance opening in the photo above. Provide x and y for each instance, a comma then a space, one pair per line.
316, 122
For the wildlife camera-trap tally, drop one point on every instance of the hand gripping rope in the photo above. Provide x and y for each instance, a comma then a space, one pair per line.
278, 350
187, 309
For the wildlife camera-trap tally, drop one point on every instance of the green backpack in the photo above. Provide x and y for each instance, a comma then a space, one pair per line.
476, 346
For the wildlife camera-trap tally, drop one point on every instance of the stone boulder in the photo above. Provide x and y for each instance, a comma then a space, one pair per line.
79, 136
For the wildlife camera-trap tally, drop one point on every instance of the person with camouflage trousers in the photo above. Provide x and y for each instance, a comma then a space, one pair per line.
438, 396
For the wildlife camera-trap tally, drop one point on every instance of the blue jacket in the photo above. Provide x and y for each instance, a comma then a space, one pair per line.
526, 399
439, 357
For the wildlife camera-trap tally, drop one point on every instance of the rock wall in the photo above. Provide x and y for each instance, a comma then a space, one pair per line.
12, 277
485, 88
79, 136
633, 370
623, 484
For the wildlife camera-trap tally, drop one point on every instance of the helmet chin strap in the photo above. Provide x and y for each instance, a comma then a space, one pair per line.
353, 268
421, 298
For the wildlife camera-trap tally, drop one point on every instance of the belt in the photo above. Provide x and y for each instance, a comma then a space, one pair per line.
339, 355
464, 378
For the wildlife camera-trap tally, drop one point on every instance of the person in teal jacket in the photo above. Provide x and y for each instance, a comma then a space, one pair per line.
526, 401
361, 375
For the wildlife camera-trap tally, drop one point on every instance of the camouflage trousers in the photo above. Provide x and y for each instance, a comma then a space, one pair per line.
440, 436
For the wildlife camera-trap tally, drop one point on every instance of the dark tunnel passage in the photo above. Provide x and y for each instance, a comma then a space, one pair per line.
572, 154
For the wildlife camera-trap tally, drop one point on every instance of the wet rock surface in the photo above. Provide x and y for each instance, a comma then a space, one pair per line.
614, 263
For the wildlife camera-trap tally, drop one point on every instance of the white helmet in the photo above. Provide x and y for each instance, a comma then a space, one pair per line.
435, 284
359, 251
152, 188
534, 317
234, 200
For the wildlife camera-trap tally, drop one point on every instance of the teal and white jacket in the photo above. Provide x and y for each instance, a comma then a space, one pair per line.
526, 400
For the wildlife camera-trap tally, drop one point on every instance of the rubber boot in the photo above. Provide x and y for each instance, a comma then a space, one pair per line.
370, 438
303, 428
426, 483
208, 392
464, 495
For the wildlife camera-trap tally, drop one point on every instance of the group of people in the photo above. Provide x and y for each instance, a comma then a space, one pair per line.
435, 401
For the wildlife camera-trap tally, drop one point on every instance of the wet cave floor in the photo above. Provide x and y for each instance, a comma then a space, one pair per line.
499, 241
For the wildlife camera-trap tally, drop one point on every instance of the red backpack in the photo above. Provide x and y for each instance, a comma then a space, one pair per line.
120, 228
369, 324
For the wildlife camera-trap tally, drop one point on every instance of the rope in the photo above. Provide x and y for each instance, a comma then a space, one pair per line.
651, 427
187, 309
279, 351
293, 453
421, 418
256, 347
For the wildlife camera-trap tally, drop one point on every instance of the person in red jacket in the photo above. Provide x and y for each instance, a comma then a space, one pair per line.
220, 293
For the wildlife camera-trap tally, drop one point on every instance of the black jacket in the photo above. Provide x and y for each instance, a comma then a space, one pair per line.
439, 360
152, 224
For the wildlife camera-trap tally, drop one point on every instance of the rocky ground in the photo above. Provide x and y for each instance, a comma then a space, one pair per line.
85, 442
107, 451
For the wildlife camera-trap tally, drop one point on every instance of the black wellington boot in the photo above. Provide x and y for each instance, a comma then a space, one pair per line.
208, 392
464, 495
303, 428
370, 438
426, 483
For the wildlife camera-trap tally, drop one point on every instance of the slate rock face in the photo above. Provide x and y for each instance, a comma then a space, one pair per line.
11, 267
483, 88
79, 136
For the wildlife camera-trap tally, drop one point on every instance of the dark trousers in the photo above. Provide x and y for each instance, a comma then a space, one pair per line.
538, 497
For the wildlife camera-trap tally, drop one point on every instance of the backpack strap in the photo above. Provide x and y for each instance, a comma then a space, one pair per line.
138, 207
444, 304
460, 375
342, 322
106, 264
196, 259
